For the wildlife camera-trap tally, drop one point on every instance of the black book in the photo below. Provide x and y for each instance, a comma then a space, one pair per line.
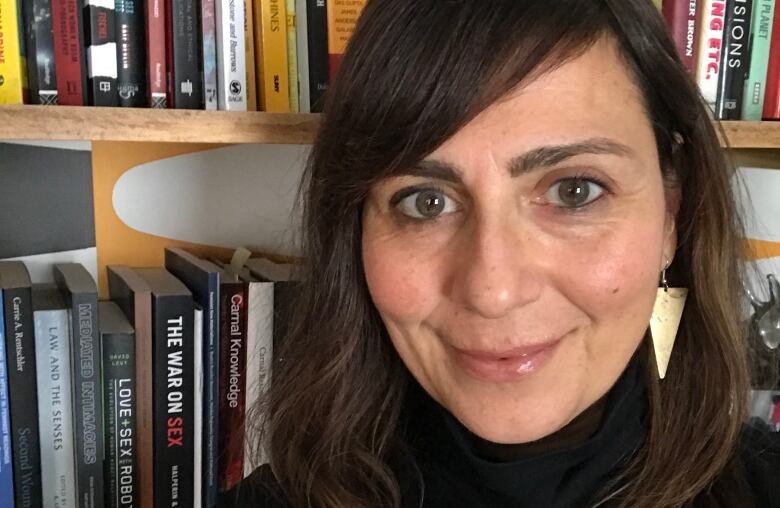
118, 340
22, 383
80, 293
100, 39
131, 53
183, 35
317, 28
735, 59
173, 385
41, 73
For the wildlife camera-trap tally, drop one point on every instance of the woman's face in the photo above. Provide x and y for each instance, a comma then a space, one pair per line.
516, 266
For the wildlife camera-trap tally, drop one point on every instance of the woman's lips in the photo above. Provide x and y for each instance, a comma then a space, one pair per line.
505, 366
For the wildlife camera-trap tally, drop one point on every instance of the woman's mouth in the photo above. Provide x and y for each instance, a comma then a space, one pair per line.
505, 366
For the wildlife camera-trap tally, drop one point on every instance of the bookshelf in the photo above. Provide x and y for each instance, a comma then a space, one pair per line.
192, 126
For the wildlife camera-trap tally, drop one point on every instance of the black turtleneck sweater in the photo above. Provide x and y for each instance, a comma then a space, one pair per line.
566, 469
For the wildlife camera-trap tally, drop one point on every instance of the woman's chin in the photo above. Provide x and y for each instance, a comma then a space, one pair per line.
505, 428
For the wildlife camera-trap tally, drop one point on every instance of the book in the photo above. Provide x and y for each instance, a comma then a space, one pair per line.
202, 278
117, 336
22, 383
681, 18
286, 289
771, 109
130, 54
13, 75
755, 81
342, 18
173, 384
69, 58
133, 296
156, 62
249, 55
80, 294
185, 86
317, 34
302, 57
100, 38
708, 63
231, 56
197, 482
208, 51
735, 59
41, 72
271, 35
292, 56
232, 379
55, 399
6, 453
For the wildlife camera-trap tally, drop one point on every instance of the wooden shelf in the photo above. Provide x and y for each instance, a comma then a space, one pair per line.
190, 126
167, 125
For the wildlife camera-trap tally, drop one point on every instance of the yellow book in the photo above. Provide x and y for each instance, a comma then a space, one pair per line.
249, 51
13, 76
271, 35
292, 56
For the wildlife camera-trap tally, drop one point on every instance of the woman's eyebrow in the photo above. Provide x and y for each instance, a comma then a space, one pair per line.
537, 158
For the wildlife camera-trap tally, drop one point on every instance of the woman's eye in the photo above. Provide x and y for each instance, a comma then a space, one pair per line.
573, 192
426, 204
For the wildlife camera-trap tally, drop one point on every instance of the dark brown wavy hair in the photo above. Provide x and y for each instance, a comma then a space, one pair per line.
415, 72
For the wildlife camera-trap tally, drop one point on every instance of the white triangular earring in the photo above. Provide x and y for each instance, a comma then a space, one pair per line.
665, 321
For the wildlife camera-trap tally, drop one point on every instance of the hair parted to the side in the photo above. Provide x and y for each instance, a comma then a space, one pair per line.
415, 72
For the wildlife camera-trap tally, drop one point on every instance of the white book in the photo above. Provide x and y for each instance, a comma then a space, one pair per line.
302, 41
231, 57
197, 476
259, 355
55, 403
708, 58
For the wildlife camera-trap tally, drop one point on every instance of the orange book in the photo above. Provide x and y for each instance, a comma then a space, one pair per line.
271, 38
342, 18
249, 51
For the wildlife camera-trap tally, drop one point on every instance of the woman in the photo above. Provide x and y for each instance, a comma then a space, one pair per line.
495, 191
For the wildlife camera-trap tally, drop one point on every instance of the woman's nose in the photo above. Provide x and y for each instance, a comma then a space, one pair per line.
498, 270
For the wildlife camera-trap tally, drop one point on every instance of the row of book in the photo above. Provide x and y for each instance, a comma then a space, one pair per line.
732, 49
141, 399
269, 55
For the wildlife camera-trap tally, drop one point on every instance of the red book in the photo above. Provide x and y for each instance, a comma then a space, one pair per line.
681, 18
232, 380
155, 52
69, 58
772, 96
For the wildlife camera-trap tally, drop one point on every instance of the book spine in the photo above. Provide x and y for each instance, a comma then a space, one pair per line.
708, 63
173, 400
302, 46
69, 57
88, 401
232, 385
317, 24
271, 23
249, 55
211, 395
292, 57
209, 53
735, 59
130, 54
41, 74
6, 454
755, 83
185, 88
12, 65
22, 384
55, 407
100, 35
342, 18
120, 403
681, 16
231, 62
156, 70
197, 347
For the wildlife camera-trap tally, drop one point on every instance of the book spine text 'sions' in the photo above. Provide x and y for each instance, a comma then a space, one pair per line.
735, 59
